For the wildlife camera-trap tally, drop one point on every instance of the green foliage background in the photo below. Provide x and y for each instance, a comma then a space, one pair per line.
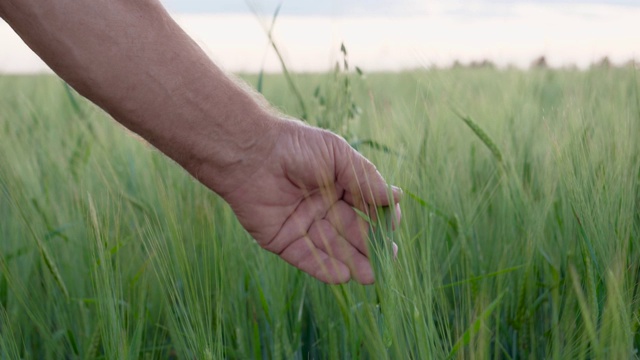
109, 250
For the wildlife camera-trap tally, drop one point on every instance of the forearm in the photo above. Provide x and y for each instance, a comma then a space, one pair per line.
134, 61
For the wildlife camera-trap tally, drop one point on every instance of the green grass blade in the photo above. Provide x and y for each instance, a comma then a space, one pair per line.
482, 135
474, 328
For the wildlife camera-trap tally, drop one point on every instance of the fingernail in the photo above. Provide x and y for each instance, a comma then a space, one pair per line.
398, 191
398, 214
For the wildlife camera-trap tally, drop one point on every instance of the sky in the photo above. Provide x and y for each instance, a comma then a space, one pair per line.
357, 7
390, 35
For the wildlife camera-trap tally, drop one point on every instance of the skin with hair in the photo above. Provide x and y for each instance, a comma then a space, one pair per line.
293, 187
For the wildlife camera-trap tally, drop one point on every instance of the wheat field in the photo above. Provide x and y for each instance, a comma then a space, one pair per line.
520, 235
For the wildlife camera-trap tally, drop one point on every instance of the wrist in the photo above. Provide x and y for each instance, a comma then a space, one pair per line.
223, 157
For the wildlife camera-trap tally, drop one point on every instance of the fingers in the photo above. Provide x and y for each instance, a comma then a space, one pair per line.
395, 222
304, 255
333, 249
359, 176
349, 225
325, 253
325, 236
309, 210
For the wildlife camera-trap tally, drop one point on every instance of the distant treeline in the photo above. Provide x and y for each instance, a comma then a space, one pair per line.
542, 63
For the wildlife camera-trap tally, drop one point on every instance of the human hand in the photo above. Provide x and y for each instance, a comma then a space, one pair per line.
299, 203
292, 186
